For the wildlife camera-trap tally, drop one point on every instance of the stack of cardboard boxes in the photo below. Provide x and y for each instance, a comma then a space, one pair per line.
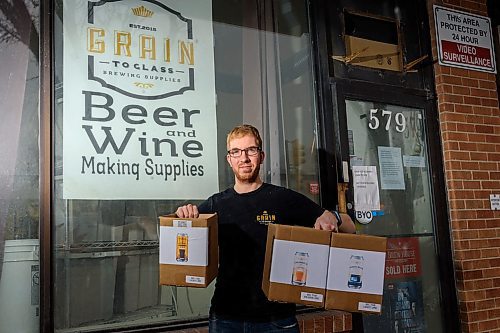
302, 265
323, 269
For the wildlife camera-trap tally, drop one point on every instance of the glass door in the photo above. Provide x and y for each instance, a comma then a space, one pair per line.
390, 194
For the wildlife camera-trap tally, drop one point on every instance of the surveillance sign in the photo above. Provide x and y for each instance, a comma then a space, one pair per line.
464, 40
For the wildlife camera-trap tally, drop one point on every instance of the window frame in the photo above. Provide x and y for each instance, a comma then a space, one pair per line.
48, 100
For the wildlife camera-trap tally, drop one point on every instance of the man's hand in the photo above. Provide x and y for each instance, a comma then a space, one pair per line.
189, 211
328, 221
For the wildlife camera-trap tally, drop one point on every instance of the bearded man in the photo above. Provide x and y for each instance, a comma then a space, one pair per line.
239, 304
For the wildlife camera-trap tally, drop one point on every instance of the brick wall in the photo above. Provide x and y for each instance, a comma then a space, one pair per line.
470, 132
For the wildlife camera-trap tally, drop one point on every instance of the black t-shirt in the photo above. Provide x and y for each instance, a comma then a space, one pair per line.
243, 220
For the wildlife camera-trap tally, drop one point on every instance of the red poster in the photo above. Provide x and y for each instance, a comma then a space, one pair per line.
403, 258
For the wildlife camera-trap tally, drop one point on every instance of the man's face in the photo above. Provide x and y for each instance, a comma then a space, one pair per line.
246, 168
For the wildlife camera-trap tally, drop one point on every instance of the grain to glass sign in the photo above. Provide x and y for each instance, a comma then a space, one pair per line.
464, 40
139, 100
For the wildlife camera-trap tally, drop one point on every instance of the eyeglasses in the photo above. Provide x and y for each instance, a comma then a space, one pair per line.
250, 151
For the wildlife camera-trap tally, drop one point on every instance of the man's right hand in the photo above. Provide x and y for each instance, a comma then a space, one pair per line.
189, 211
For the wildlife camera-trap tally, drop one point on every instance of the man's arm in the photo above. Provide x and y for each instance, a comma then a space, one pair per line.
328, 221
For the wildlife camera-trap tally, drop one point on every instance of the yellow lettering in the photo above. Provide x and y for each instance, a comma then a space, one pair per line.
147, 45
167, 49
93, 44
122, 43
186, 51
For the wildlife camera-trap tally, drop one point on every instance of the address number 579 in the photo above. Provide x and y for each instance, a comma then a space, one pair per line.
375, 115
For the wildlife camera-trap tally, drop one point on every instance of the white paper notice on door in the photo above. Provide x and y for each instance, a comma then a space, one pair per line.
391, 168
366, 192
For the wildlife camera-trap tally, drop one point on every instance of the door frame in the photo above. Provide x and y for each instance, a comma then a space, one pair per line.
333, 145
349, 89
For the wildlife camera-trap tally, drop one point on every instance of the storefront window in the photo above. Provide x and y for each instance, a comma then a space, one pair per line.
19, 161
145, 95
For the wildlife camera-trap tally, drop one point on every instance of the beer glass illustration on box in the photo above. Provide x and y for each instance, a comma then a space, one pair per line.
355, 272
181, 247
299, 274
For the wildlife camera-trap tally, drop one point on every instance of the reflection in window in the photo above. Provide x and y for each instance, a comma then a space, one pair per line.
19, 161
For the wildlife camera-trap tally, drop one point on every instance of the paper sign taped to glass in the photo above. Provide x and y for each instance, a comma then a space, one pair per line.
391, 168
366, 190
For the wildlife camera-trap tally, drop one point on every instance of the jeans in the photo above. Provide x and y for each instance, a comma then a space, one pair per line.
285, 325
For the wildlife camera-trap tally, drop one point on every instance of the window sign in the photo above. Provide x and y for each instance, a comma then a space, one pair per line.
139, 100
464, 40
403, 258
414, 161
391, 168
366, 192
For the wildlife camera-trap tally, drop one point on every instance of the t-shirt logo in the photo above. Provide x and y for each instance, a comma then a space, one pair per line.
266, 218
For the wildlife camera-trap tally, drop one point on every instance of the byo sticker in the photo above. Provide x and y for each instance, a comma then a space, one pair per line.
363, 216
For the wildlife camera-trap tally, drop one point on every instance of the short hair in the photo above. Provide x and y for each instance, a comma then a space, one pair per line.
244, 130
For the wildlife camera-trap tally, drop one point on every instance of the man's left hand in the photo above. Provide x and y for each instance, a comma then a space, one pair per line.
328, 221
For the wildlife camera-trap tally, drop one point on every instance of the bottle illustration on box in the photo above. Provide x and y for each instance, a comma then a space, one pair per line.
355, 272
299, 274
181, 247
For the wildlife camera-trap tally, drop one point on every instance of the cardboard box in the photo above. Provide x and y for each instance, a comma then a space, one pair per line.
374, 54
356, 273
295, 267
188, 250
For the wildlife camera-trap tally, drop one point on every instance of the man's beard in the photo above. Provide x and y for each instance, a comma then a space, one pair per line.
248, 177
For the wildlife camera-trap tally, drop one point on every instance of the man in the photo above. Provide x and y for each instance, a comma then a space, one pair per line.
239, 304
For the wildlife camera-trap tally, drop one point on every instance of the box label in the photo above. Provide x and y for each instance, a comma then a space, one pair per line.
182, 223
371, 307
195, 279
184, 246
311, 297
356, 271
298, 263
